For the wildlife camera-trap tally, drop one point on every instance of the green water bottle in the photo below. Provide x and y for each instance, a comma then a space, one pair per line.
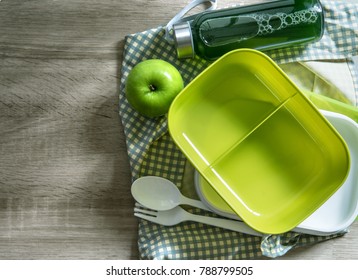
261, 26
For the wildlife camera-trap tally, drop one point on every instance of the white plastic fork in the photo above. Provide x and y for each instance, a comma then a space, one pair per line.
177, 215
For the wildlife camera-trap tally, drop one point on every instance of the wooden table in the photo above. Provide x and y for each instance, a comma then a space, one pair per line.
64, 171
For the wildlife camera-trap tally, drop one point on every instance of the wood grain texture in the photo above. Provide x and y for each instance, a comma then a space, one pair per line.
64, 171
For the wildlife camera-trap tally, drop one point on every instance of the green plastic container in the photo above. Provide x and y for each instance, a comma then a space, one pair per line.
258, 141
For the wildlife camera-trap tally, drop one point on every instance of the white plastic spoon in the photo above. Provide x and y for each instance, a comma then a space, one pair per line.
160, 194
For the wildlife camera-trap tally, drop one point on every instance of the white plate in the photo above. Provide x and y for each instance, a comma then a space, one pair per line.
338, 212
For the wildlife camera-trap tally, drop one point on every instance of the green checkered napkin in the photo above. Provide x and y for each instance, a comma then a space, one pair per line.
151, 150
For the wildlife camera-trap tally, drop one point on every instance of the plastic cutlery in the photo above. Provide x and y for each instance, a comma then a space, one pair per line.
177, 215
161, 194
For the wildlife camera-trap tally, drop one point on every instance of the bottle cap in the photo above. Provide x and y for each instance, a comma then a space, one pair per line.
183, 40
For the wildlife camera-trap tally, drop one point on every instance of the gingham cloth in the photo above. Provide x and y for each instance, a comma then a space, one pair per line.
151, 150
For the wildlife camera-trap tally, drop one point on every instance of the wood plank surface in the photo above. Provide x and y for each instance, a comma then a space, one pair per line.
64, 171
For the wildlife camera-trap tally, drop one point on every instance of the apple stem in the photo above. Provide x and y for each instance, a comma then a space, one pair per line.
152, 88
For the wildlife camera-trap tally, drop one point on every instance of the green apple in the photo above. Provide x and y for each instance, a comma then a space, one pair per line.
151, 87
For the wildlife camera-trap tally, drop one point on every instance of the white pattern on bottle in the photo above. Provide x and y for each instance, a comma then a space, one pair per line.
265, 21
